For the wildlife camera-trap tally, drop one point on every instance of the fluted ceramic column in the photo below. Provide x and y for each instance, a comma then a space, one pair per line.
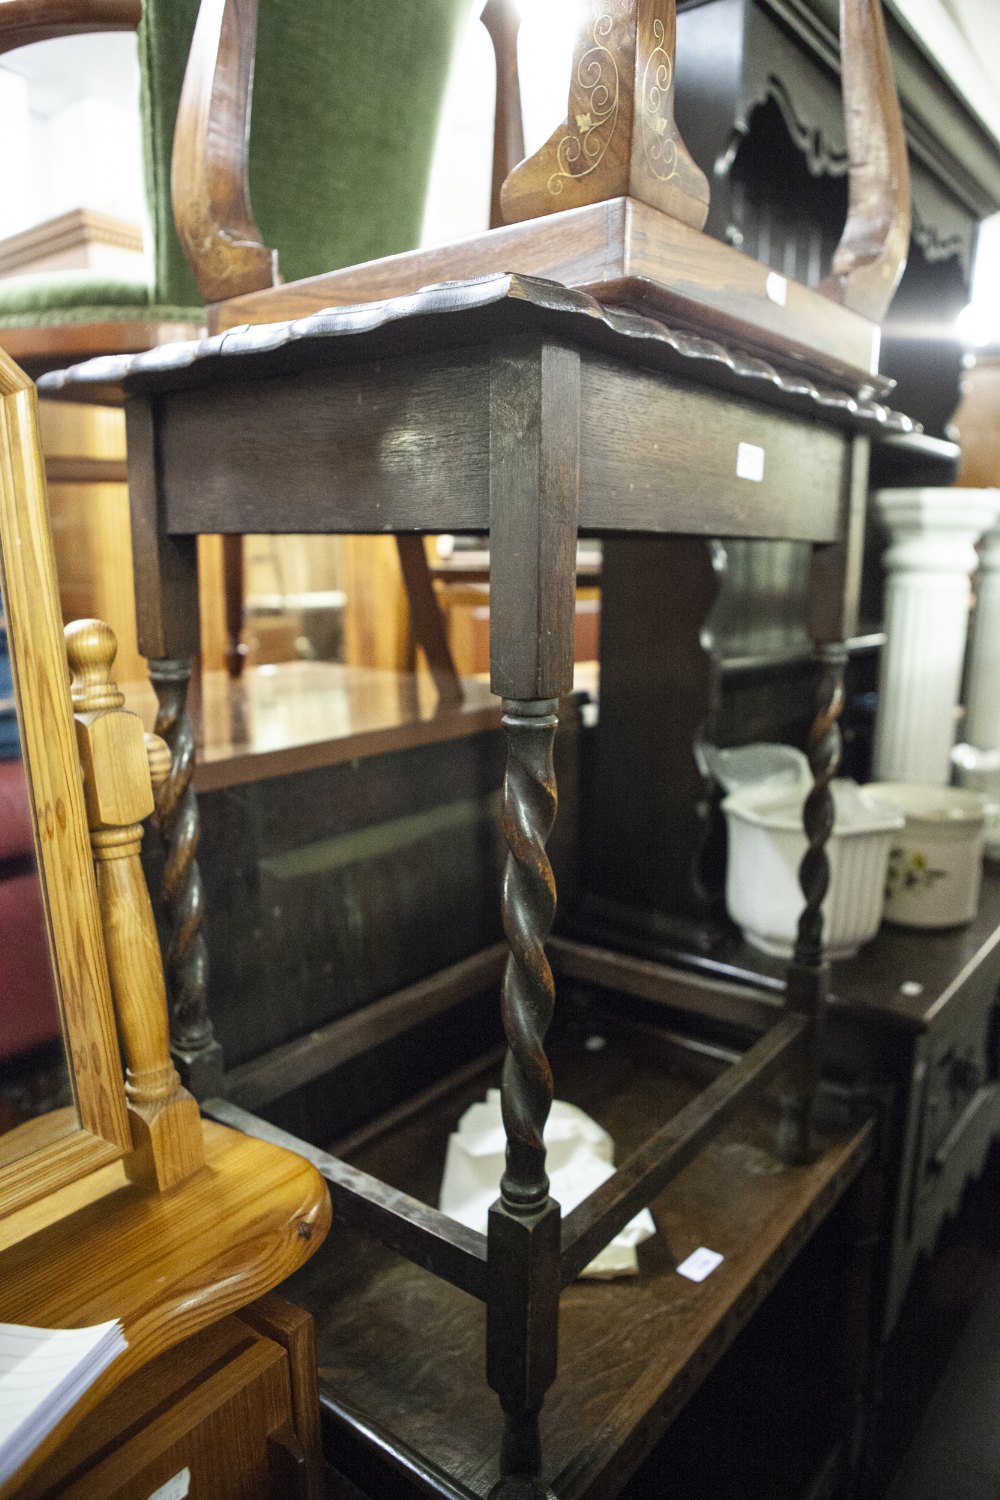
982, 697
932, 554
977, 761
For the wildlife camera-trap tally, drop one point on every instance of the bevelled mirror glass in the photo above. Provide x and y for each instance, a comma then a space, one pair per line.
62, 1101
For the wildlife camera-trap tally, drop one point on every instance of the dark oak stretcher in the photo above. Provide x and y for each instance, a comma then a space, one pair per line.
400, 1351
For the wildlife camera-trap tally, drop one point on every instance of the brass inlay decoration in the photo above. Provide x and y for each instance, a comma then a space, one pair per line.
658, 140
597, 74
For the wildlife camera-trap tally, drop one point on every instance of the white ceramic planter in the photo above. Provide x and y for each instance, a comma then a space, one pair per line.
936, 865
766, 845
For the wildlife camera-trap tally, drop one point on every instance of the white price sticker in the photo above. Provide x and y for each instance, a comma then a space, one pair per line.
700, 1263
174, 1489
776, 288
750, 462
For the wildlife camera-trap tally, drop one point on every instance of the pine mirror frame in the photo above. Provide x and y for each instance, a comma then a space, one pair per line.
62, 843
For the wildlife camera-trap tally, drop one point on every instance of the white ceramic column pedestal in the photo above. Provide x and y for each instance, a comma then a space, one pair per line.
977, 762
932, 554
982, 691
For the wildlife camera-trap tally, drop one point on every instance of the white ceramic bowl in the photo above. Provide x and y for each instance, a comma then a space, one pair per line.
936, 865
766, 845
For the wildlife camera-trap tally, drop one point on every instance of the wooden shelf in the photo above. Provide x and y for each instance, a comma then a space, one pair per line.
631, 1351
297, 716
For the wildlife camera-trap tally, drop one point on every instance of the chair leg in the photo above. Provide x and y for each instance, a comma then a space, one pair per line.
196, 1053
427, 621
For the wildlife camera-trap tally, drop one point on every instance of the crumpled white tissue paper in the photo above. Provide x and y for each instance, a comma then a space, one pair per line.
579, 1158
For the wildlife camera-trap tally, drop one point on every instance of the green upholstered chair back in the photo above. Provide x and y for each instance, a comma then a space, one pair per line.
347, 95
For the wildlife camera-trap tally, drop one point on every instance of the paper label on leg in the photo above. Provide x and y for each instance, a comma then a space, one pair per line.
700, 1263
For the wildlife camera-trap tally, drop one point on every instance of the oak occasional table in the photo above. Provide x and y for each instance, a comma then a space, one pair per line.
515, 408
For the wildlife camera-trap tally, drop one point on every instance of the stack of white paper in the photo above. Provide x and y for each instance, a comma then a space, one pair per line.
43, 1373
579, 1157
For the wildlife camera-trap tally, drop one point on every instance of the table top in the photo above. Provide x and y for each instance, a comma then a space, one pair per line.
459, 313
285, 717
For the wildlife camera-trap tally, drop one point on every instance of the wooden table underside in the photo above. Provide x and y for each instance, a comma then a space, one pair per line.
401, 1352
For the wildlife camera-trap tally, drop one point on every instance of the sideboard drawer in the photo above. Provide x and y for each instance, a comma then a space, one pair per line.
210, 1420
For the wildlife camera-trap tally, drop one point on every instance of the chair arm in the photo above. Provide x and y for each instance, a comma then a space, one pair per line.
25, 21
871, 255
209, 186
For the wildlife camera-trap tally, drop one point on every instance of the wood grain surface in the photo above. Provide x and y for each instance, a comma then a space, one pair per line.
871, 255
293, 1329
619, 136
209, 185
62, 844
49, 348
117, 760
166, 1264
208, 1405
23, 22
631, 1351
404, 444
624, 253
297, 716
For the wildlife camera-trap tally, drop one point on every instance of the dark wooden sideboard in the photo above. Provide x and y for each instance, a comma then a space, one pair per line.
758, 98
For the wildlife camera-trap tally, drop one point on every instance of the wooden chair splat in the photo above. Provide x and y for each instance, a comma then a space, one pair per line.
619, 138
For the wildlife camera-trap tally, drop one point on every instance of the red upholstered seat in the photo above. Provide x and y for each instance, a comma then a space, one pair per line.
29, 1014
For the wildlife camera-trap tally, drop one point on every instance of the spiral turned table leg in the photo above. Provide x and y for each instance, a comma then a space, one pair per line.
195, 1050
808, 972
529, 906
523, 1261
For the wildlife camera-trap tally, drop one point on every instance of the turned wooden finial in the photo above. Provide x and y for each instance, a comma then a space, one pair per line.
119, 763
91, 647
619, 138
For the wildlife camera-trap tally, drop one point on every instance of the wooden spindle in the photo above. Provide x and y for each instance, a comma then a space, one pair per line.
524, 1225
809, 971
119, 763
502, 20
192, 1039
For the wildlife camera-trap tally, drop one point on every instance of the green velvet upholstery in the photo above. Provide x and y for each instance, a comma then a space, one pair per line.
50, 298
347, 95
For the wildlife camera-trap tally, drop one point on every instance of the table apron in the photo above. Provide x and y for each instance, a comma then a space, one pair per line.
403, 445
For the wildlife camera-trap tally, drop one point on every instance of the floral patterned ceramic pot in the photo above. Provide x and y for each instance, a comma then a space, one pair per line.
936, 862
